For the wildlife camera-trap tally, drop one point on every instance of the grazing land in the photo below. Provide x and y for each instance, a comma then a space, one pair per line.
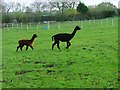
90, 62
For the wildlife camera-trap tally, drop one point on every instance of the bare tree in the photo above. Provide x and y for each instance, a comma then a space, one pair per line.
44, 6
71, 4
19, 7
60, 6
6, 7
28, 9
2, 6
13, 7
10, 6
36, 6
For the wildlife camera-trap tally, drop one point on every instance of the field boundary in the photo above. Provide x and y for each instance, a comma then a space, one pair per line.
46, 25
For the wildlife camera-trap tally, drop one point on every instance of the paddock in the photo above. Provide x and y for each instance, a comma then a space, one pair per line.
91, 61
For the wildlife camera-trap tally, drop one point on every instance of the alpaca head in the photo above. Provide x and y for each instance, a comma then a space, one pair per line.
77, 28
35, 36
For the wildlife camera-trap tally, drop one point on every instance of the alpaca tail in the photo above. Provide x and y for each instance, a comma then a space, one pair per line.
52, 38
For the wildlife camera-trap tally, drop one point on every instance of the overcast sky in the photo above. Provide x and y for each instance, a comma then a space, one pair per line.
87, 2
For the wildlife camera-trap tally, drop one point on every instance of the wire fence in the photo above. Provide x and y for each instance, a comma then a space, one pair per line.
87, 24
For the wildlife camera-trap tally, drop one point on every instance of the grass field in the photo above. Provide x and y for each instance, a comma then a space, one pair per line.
90, 62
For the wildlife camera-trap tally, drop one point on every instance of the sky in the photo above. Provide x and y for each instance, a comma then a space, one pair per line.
87, 2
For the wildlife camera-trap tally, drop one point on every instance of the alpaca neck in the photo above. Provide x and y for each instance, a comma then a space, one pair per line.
32, 39
73, 33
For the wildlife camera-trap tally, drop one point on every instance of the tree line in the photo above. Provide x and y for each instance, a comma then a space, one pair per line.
55, 11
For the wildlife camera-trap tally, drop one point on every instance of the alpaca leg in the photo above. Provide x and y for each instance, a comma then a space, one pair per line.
68, 44
17, 48
31, 47
53, 44
21, 48
58, 45
26, 48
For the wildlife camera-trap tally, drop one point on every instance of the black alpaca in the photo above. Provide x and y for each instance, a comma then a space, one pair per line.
64, 37
26, 42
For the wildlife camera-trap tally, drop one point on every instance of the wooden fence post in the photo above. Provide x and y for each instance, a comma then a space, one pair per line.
101, 23
48, 25
12, 25
58, 25
37, 26
39, 23
27, 27
89, 23
7, 27
21, 25
112, 22
107, 21
17, 27
30, 25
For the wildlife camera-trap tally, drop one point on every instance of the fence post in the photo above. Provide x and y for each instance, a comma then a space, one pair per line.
39, 23
107, 21
48, 25
94, 21
112, 22
101, 22
79, 23
30, 25
59, 25
7, 27
89, 23
27, 27
21, 25
12, 25
17, 27
37, 26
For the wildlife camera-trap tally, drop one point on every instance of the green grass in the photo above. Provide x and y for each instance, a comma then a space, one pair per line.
90, 62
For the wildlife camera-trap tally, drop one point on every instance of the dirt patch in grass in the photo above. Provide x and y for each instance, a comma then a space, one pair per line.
39, 62
23, 72
26, 71
3, 81
49, 66
50, 71
84, 48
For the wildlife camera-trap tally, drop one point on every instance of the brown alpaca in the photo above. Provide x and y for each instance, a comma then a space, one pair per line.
26, 42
